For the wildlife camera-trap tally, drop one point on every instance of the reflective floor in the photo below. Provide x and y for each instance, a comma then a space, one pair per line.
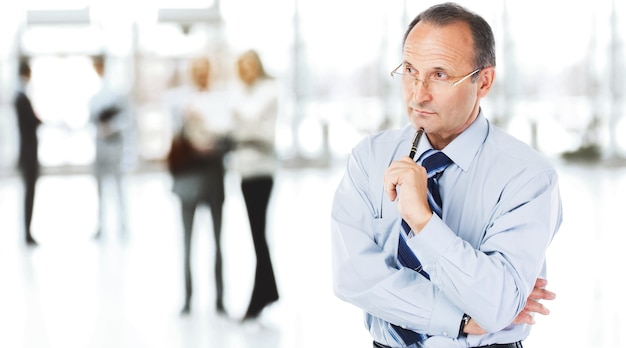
126, 290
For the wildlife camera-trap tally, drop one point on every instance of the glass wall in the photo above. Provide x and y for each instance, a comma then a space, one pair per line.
560, 78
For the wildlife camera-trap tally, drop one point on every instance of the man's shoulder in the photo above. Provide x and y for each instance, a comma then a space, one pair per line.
503, 147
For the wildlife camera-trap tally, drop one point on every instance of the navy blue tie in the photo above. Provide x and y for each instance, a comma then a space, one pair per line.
435, 163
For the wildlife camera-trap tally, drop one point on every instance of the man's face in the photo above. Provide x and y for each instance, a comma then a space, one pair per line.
442, 56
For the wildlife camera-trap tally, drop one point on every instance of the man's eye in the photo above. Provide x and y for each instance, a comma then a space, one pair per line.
408, 70
440, 75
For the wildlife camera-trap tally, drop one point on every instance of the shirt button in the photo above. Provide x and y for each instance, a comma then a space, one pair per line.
404, 327
445, 334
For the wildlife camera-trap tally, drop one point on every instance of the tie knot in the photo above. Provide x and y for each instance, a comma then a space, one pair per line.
435, 161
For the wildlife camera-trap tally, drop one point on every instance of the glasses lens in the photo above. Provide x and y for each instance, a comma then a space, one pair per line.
433, 84
409, 80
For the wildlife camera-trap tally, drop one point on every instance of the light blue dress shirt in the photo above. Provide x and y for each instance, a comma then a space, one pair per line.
501, 210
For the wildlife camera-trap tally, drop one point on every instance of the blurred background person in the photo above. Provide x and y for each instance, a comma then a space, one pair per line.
196, 161
110, 114
255, 108
28, 161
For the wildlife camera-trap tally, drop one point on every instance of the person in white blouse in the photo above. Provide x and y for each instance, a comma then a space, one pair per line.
255, 108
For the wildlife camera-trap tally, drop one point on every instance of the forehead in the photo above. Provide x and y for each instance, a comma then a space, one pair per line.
450, 46
200, 65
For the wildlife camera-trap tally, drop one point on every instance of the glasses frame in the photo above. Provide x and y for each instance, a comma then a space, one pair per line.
426, 84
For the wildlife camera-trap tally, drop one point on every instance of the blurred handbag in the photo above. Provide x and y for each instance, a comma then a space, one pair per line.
181, 155
107, 114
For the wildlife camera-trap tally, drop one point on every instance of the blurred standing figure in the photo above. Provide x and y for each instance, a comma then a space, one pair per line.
255, 109
110, 114
28, 162
196, 161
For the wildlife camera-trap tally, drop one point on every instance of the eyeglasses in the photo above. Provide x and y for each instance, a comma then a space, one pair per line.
436, 82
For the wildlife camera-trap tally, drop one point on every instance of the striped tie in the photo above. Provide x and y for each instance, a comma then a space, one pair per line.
435, 163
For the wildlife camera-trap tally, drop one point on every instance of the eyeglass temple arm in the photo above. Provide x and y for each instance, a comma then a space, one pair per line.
394, 70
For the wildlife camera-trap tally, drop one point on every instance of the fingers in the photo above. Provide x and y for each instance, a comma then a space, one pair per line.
524, 318
536, 307
533, 305
390, 189
541, 283
396, 174
540, 293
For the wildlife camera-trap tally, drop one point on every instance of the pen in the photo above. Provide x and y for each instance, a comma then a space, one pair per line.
416, 141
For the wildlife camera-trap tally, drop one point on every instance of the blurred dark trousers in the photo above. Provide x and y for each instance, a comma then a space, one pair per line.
256, 193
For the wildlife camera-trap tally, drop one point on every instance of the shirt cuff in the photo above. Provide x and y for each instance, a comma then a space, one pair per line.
445, 318
411, 233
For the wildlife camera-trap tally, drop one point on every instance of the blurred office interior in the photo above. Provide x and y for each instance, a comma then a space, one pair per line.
561, 81
560, 84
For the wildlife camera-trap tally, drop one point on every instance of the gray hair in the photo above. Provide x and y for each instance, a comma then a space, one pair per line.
448, 13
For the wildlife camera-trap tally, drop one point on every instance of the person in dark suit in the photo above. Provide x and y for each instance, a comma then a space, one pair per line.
28, 162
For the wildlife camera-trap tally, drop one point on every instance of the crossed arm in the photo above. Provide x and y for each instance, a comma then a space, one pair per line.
414, 209
525, 316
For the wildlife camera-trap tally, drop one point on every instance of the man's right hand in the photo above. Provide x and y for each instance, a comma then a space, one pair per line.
532, 305
525, 316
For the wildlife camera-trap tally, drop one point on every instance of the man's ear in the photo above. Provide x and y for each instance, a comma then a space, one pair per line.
485, 80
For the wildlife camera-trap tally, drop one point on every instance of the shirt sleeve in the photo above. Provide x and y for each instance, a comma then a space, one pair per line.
365, 269
492, 281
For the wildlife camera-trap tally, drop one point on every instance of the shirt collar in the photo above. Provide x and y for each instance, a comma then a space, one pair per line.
463, 149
